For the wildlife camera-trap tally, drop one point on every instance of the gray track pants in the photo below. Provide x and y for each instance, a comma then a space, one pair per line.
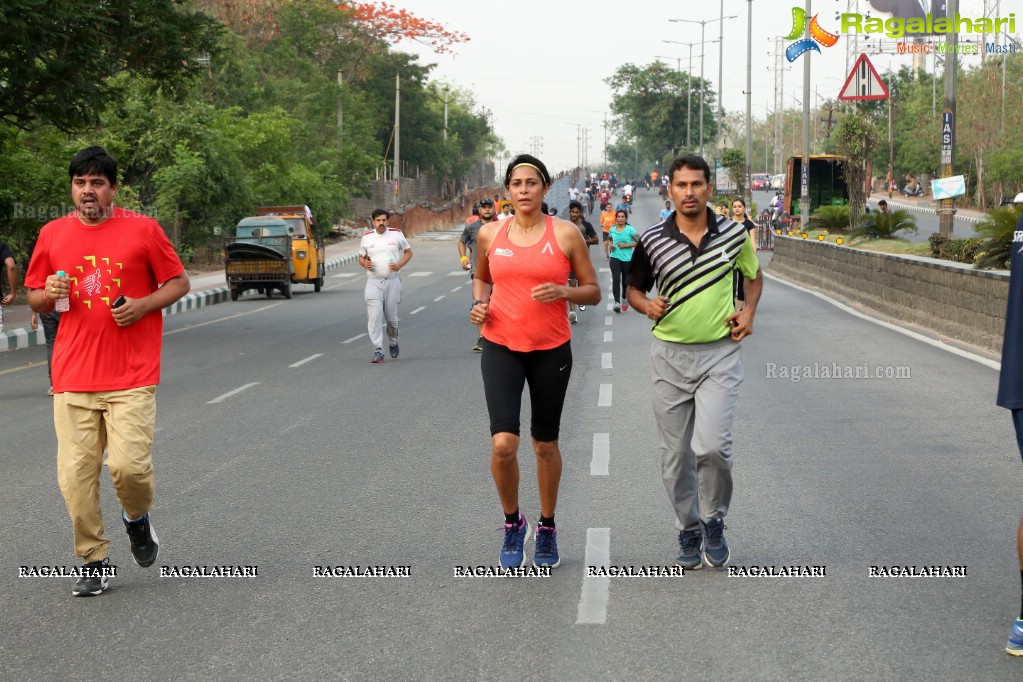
382, 299
696, 391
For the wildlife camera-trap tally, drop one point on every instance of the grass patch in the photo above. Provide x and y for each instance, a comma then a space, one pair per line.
896, 246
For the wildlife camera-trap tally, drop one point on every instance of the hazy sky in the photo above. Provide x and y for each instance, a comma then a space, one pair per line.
539, 66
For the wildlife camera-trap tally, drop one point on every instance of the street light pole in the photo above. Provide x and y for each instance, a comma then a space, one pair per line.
749, 103
703, 49
689, 93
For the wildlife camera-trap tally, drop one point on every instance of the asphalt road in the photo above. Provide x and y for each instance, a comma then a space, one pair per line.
326, 459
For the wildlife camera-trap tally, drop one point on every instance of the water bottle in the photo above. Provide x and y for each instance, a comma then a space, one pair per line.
63, 304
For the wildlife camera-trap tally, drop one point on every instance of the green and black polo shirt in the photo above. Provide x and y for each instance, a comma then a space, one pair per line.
696, 279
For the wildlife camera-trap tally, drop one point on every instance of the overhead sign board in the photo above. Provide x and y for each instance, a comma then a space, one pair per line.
863, 82
948, 188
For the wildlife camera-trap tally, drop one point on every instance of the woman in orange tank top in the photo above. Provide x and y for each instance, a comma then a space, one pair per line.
520, 297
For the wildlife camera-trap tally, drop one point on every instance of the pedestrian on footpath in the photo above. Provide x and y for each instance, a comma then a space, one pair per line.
467, 249
575, 216
695, 359
520, 291
1010, 395
740, 215
618, 250
9, 266
383, 251
121, 273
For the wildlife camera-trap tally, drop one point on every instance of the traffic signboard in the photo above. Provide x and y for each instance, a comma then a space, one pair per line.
863, 82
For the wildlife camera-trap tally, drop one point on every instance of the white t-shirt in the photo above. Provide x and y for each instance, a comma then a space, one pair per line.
383, 249
627, 189
573, 194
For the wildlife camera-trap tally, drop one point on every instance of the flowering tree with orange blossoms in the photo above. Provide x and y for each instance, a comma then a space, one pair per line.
386, 22
376, 20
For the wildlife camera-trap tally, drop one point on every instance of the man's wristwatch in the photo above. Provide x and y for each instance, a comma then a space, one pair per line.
477, 301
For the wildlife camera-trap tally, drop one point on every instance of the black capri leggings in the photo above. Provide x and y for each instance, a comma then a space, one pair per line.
547, 373
619, 275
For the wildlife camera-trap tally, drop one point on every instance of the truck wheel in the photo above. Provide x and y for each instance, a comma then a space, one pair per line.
235, 293
269, 291
286, 290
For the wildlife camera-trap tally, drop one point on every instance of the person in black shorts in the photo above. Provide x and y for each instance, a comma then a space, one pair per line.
520, 291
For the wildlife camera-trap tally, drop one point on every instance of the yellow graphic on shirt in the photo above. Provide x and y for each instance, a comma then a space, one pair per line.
97, 282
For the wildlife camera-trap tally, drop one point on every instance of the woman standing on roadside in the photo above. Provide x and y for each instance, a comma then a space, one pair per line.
520, 293
618, 248
739, 215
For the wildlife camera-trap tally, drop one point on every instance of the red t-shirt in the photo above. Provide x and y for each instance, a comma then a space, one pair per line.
128, 254
515, 319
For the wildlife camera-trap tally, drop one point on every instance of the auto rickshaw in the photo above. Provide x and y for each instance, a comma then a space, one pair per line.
258, 257
307, 249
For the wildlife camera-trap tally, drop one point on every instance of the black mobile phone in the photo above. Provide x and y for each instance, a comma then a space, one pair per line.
118, 302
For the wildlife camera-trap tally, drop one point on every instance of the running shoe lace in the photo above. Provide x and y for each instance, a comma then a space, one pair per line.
544, 542
511, 531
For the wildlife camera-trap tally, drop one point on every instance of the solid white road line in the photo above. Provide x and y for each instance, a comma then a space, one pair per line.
418, 310
596, 589
601, 454
302, 362
607, 337
605, 361
355, 338
439, 298
604, 398
231, 393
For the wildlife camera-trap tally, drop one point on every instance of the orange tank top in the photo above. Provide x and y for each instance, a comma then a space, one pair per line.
515, 319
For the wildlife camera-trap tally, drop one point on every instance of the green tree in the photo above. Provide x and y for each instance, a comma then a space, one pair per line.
855, 138
57, 57
734, 161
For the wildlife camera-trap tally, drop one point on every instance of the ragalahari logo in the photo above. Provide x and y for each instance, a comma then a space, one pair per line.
817, 35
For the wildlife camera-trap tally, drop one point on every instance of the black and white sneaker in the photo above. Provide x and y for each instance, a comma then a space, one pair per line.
94, 579
145, 546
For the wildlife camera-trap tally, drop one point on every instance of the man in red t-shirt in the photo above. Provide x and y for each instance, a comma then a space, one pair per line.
106, 360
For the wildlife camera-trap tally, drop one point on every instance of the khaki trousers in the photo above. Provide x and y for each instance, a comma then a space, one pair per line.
120, 422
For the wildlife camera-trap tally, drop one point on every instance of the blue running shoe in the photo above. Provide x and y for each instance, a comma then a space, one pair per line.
715, 547
515, 536
1015, 644
690, 555
545, 553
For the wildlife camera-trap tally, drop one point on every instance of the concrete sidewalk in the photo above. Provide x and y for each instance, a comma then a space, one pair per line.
208, 288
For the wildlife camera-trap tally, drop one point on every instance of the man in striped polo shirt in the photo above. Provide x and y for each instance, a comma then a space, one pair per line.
697, 368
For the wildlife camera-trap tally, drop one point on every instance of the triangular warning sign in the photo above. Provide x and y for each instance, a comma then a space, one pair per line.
863, 82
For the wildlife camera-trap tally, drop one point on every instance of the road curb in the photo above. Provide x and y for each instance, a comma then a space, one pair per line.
25, 338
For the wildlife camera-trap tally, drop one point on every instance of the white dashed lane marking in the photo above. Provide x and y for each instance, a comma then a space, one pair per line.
439, 298
302, 362
601, 454
231, 393
605, 361
596, 589
608, 321
344, 274
419, 309
354, 338
420, 274
608, 336
604, 398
